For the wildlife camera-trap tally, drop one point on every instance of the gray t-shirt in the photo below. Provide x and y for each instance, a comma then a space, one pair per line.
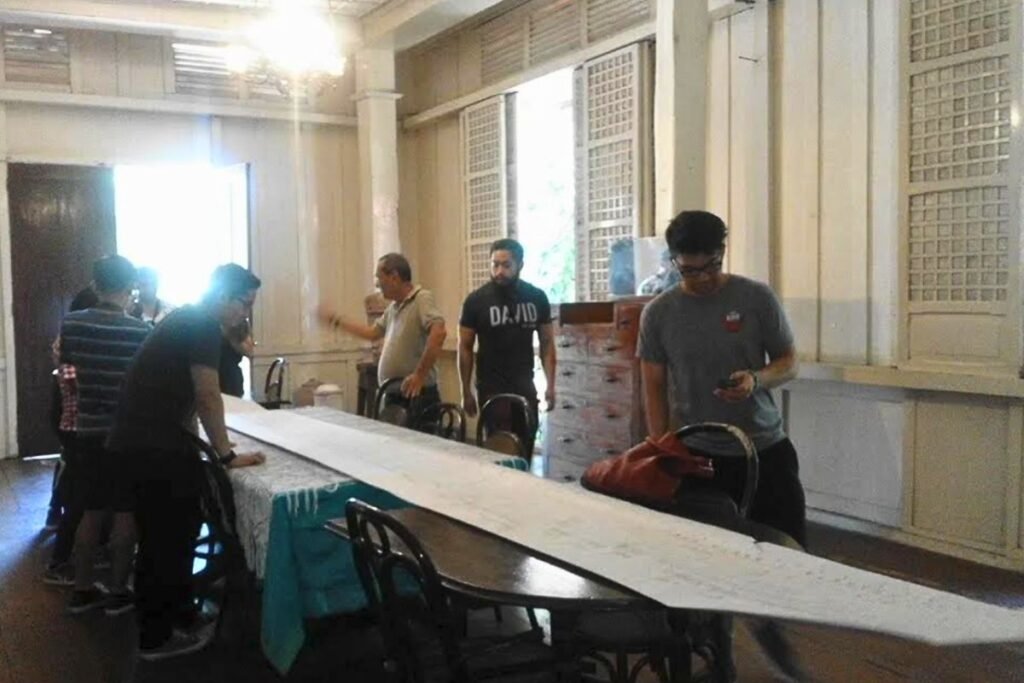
406, 326
703, 339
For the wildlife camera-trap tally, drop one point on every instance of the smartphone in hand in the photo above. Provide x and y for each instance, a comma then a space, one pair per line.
728, 383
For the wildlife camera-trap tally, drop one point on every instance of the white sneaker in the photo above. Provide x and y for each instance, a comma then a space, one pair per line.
180, 643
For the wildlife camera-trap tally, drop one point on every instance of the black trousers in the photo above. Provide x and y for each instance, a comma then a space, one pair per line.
69, 495
779, 499
169, 516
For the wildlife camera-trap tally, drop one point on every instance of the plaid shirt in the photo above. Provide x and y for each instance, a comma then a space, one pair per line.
67, 379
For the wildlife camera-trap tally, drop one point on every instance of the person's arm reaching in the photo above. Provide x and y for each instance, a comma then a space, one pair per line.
210, 406
655, 398
412, 385
356, 329
467, 340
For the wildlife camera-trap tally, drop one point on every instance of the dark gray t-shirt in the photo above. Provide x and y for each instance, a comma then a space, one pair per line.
702, 339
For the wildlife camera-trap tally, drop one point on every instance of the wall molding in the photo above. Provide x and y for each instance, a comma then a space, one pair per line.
172, 106
1011, 561
311, 355
942, 381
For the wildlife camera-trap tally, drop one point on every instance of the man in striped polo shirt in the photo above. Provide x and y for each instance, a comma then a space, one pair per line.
100, 343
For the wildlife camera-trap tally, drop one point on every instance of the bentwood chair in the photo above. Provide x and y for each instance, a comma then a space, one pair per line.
219, 566
386, 409
506, 414
273, 386
655, 636
448, 421
423, 634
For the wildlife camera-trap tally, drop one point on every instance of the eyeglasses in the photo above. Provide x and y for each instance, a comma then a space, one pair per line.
712, 266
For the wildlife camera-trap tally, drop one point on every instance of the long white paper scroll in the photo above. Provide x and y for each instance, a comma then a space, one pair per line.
679, 563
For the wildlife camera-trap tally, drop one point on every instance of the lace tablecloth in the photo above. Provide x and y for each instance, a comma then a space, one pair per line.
283, 474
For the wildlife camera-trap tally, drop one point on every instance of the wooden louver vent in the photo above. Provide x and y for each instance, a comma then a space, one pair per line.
201, 69
36, 55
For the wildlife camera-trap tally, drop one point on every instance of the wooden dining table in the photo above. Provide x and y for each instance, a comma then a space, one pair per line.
480, 568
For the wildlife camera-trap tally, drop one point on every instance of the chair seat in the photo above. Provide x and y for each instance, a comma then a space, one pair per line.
504, 659
486, 660
706, 505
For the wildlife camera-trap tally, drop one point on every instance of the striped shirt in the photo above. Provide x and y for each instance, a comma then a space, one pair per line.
100, 342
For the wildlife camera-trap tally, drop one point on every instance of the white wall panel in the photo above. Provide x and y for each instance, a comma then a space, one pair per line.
844, 180
92, 54
79, 136
960, 470
797, 139
750, 239
274, 184
327, 368
851, 451
884, 236
140, 66
718, 121
448, 281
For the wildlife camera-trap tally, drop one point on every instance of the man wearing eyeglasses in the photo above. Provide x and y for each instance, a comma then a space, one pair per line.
172, 380
724, 342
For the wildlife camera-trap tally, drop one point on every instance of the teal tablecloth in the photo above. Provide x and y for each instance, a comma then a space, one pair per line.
307, 571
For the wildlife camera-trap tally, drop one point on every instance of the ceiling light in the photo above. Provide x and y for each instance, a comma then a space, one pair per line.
292, 43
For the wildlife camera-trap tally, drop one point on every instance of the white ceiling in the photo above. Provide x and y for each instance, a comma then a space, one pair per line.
348, 8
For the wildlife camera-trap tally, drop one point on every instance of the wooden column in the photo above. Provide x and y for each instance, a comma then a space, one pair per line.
376, 106
679, 108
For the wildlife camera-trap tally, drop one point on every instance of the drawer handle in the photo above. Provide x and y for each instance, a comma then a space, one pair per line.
610, 451
612, 416
564, 344
625, 322
568, 406
611, 380
566, 439
612, 347
567, 373
568, 477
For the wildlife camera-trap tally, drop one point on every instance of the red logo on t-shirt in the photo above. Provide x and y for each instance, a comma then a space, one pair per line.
733, 321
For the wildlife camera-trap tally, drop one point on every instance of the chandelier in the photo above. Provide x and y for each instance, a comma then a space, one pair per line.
291, 48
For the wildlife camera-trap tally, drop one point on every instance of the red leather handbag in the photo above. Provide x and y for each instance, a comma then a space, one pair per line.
648, 473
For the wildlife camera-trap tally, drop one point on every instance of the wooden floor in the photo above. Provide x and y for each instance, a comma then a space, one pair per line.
40, 644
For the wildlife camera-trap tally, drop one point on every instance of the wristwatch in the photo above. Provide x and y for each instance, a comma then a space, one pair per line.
227, 458
757, 380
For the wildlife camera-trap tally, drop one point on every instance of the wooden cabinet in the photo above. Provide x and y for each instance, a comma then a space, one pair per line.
598, 401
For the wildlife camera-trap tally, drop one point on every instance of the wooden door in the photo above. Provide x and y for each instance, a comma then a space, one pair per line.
62, 220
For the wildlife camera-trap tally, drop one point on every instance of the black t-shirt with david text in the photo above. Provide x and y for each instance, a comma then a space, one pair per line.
158, 399
505, 319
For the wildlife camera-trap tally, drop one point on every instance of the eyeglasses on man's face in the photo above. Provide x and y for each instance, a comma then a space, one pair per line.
691, 270
247, 302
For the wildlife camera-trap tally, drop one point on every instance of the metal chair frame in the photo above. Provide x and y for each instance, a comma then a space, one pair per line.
381, 567
273, 387
709, 641
515, 402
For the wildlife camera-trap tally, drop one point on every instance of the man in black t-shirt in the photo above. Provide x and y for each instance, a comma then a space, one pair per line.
504, 314
174, 378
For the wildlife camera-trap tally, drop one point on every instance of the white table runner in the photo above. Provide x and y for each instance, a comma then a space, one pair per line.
677, 562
